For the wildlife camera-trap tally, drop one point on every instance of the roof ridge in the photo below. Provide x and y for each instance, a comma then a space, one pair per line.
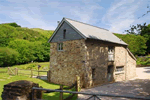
86, 23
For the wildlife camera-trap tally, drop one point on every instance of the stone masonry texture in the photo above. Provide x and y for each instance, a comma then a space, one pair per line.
84, 57
66, 64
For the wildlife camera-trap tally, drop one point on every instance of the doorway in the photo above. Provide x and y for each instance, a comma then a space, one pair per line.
110, 73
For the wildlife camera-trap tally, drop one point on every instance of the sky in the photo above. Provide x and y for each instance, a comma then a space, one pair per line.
114, 15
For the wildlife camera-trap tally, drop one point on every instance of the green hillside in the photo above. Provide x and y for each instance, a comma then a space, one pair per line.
136, 43
46, 33
22, 45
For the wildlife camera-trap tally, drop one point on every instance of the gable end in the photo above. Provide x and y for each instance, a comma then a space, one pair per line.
71, 32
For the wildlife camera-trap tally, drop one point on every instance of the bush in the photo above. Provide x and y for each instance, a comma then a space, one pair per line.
136, 43
143, 60
32, 66
30, 51
8, 56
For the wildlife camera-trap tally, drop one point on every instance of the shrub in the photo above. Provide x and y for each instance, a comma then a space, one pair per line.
143, 60
8, 56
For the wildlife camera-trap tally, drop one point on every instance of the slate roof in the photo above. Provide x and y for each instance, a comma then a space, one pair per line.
92, 32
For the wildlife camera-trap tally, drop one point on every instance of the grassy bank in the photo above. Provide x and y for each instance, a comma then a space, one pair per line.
143, 61
5, 79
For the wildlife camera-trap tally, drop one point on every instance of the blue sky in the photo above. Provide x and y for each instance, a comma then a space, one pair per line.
114, 15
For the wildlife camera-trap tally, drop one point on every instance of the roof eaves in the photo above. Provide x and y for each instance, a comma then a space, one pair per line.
131, 54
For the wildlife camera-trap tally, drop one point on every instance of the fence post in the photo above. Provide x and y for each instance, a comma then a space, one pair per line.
31, 73
48, 76
8, 70
78, 84
16, 71
38, 72
61, 93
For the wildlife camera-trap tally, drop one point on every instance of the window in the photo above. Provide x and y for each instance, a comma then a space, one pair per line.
119, 68
110, 53
93, 73
60, 46
64, 34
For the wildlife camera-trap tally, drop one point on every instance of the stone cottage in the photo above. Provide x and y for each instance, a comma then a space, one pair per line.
95, 54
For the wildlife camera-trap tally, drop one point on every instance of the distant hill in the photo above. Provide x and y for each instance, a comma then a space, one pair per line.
136, 43
22, 45
46, 33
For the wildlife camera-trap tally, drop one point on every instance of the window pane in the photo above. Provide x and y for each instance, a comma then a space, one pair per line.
61, 46
119, 69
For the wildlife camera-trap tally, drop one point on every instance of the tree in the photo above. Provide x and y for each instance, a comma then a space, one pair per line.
8, 56
143, 30
136, 43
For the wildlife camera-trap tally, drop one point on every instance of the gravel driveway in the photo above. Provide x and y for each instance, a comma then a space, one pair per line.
139, 86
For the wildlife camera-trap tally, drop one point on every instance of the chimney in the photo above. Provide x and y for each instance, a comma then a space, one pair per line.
58, 22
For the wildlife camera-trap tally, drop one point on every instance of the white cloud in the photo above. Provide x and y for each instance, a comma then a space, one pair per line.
87, 12
30, 12
26, 13
122, 14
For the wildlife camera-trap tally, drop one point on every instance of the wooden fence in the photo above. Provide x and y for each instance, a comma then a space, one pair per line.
75, 86
15, 71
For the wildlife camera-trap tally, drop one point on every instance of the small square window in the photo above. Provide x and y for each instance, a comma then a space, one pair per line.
119, 68
60, 47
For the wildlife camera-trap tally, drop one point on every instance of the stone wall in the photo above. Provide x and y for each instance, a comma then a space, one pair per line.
120, 55
84, 57
131, 67
123, 58
20, 90
119, 76
120, 60
66, 64
97, 57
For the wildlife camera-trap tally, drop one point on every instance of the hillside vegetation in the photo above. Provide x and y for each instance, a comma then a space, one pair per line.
136, 43
22, 45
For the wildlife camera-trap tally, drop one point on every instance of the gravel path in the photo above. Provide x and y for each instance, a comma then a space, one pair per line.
139, 86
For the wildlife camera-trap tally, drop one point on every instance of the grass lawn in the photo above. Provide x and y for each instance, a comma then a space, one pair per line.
5, 79
27, 70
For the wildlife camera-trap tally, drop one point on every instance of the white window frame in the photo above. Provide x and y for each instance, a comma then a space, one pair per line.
119, 69
111, 53
60, 46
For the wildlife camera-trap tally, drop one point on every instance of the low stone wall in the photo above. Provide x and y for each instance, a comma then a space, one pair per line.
131, 67
20, 90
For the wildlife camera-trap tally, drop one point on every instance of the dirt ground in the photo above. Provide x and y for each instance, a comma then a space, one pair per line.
139, 86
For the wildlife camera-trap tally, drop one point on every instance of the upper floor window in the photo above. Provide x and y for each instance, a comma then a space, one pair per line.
110, 53
60, 46
64, 34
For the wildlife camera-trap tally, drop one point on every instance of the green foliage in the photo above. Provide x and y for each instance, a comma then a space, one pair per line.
8, 56
6, 34
30, 45
143, 30
46, 33
136, 43
143, 60
30, 51
13, 24
31, 66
